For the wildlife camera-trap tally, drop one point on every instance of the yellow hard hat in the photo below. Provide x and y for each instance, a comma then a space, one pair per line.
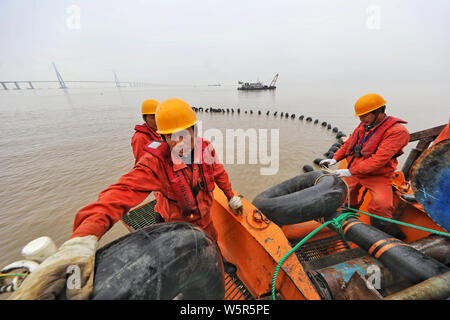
174, 115
368, 103
149, 106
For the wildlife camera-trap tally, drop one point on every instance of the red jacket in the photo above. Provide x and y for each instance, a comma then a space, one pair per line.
133, 188
382, 160
142, 137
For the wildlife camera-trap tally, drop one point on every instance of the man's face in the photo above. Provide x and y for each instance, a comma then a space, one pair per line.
368, 118
181, 142
150, 120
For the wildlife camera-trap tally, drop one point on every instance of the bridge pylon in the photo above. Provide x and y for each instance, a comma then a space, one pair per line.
62, 84
116, 79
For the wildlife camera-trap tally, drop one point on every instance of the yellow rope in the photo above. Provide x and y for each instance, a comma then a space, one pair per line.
10, 275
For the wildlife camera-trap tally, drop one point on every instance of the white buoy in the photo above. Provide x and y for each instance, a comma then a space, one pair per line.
39, 249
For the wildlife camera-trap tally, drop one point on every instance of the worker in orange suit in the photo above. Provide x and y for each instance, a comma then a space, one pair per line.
146, 132
165, 168
371, 153
182, 167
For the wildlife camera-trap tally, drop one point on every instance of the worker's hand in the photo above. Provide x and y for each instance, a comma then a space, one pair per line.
70, 267
342, 173
327, 162
236, 204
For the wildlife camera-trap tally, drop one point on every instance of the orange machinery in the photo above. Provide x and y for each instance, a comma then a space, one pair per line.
256, 245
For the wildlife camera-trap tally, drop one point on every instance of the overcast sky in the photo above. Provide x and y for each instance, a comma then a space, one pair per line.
198, 42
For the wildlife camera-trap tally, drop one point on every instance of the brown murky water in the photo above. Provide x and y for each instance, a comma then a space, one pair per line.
60, 149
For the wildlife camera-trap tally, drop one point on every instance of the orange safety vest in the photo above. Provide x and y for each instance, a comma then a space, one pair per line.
370, 143
186, 197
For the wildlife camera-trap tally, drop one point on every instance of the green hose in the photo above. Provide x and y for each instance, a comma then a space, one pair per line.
445, 234
337, 223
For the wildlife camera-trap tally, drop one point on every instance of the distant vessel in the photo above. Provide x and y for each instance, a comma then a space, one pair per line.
258, 85
214, 85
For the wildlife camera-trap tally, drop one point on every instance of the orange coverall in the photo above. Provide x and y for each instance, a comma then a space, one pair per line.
132, 188
375, 172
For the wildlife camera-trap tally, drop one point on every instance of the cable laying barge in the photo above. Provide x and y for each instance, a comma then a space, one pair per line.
258, 85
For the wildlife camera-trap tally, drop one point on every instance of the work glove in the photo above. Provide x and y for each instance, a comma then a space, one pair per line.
70, 267
236, 204
327, 162
342, 173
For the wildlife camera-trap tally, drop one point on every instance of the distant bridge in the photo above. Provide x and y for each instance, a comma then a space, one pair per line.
28, 84
25, 84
